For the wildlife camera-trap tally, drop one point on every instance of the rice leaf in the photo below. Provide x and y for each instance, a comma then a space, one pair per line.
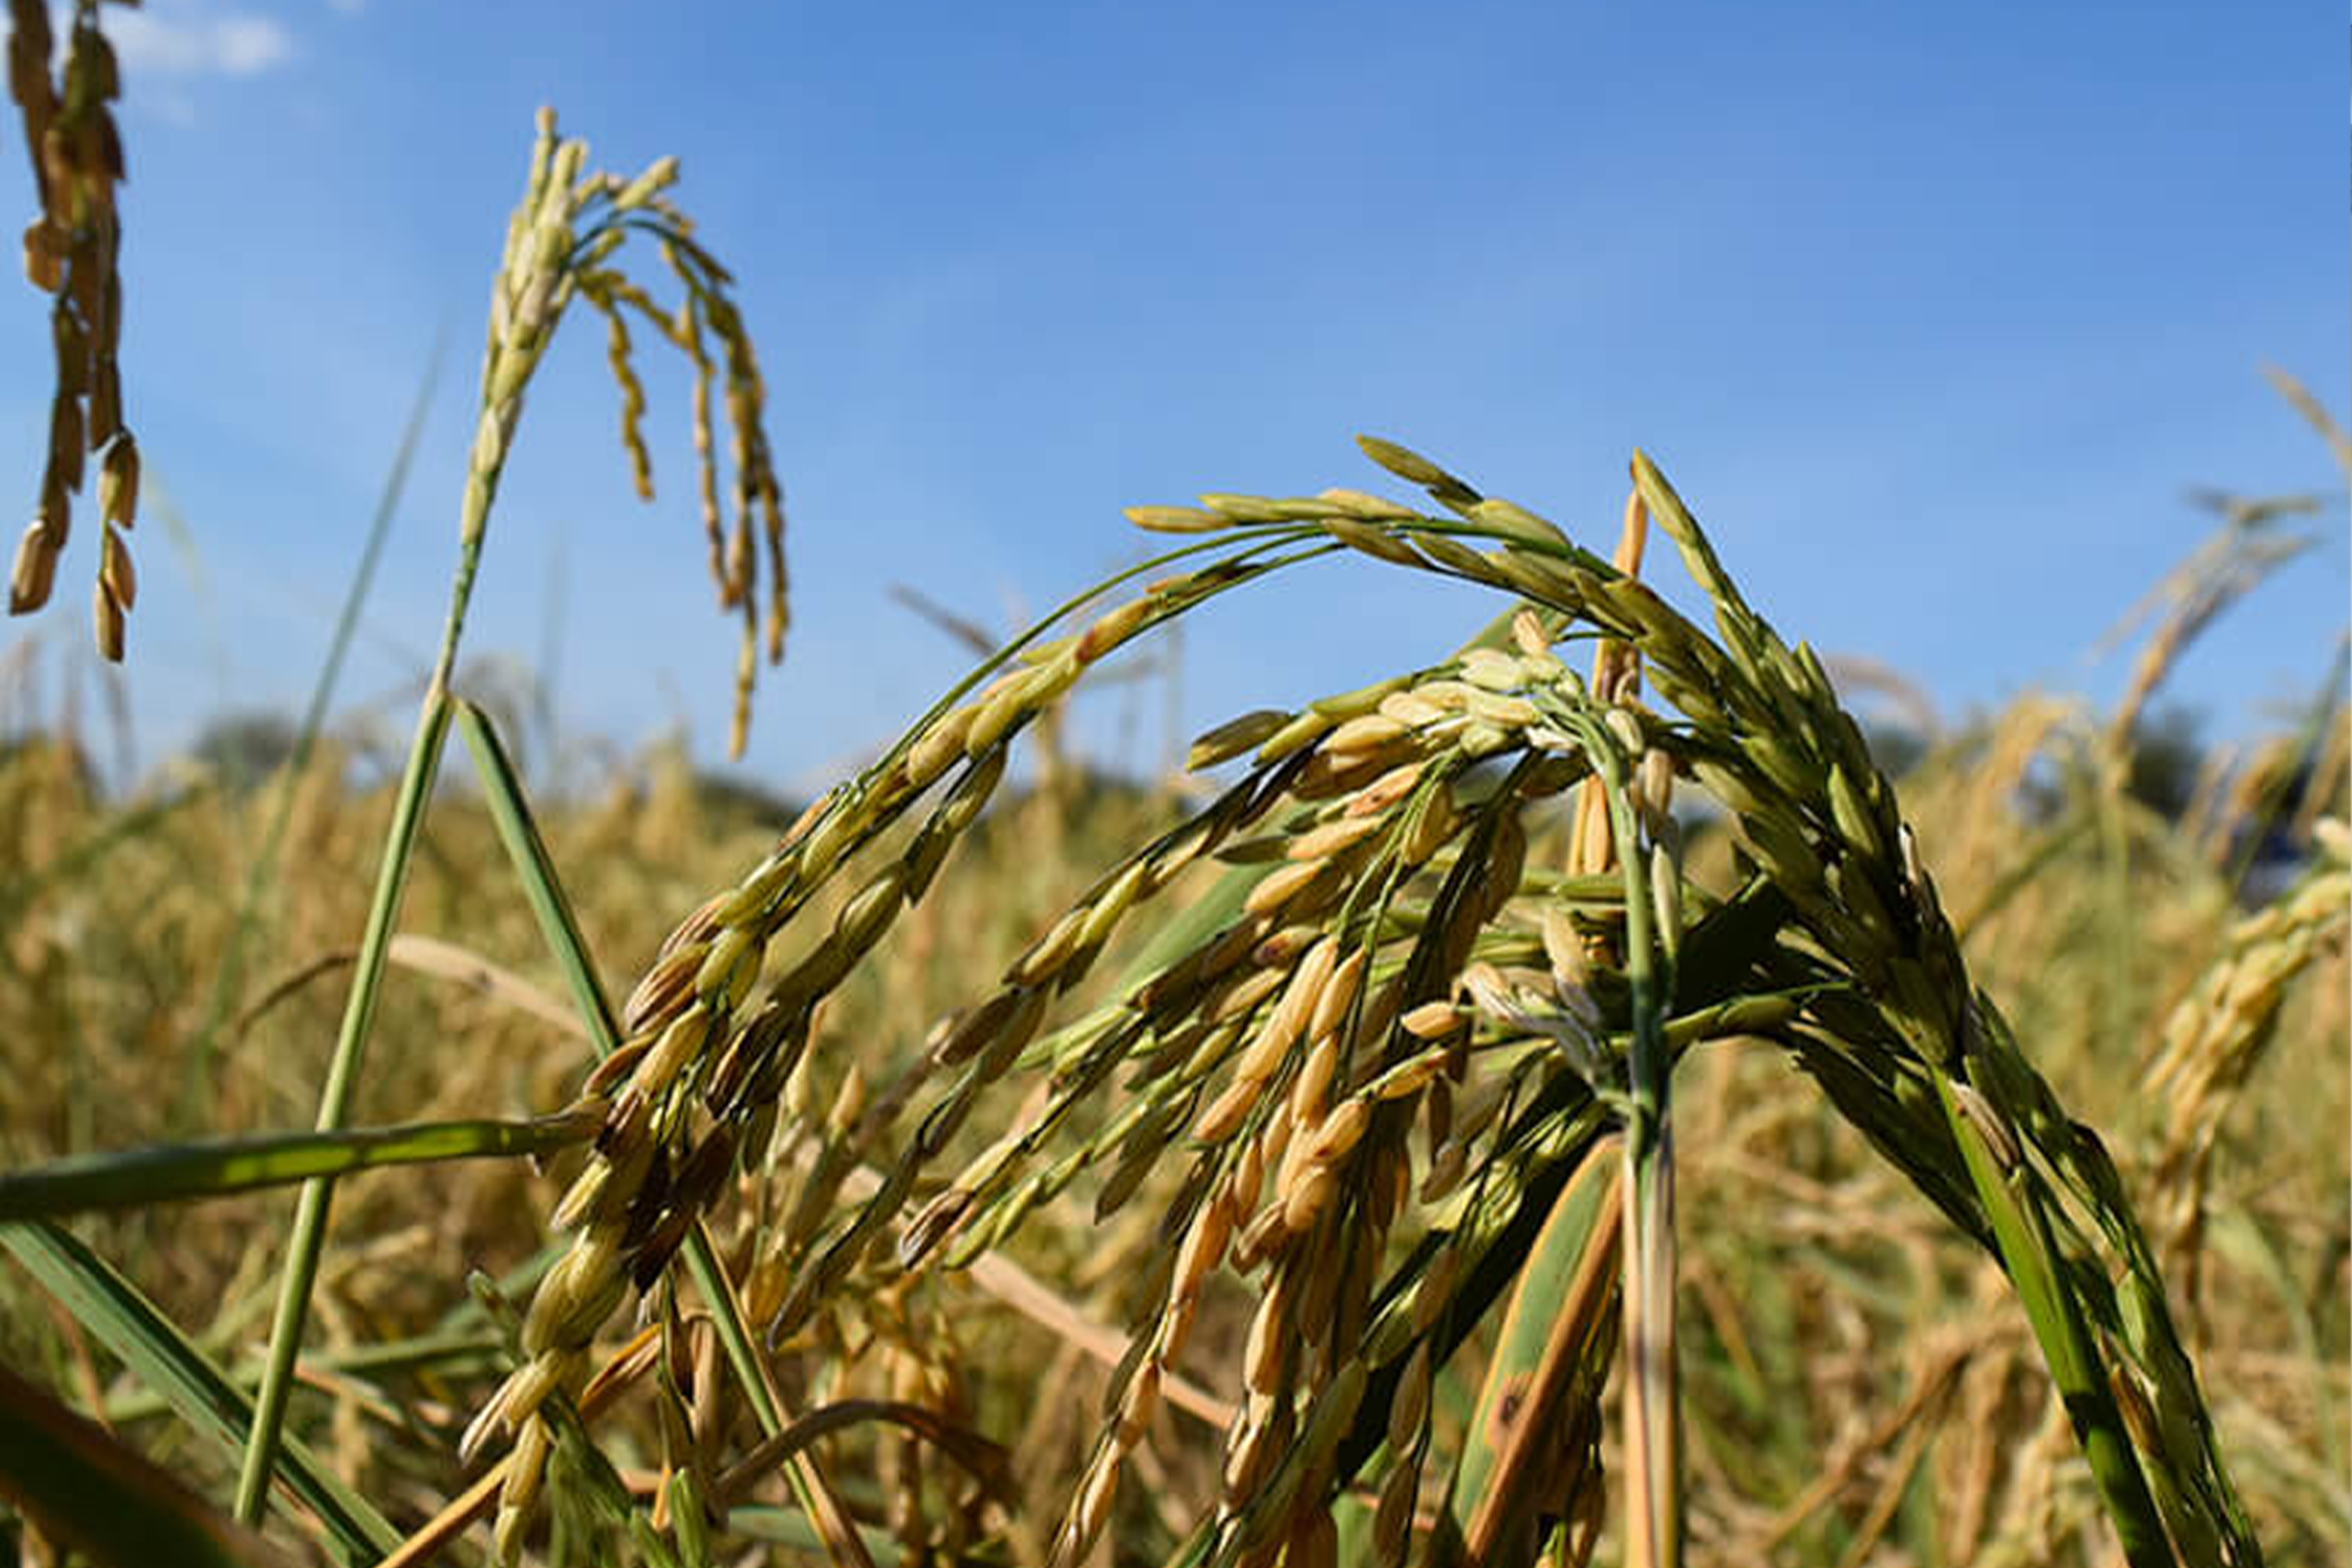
217, 1167
114, 1310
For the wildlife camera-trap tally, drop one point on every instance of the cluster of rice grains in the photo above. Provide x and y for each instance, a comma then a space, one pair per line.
2217, 1034
70, 253
1372, 1060
560, 246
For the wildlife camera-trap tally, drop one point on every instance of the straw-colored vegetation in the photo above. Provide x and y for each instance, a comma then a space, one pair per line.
1565, 1100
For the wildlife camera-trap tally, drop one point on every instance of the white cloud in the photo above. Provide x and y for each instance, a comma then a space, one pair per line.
193, 37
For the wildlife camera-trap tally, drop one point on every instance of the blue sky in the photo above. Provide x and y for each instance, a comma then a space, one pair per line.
1933, 313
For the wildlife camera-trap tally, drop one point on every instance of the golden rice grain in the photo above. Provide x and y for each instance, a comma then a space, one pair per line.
1339, 1131
1339, 994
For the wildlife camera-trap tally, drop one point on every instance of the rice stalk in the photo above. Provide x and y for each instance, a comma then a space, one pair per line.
561, 243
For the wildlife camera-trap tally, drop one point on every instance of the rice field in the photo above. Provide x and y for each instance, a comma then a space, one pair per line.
1573, 1100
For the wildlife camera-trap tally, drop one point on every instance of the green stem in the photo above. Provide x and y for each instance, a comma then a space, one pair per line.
1651, 1398
309, 1236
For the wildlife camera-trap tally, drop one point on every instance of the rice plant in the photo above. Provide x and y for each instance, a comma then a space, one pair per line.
1338, 1117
